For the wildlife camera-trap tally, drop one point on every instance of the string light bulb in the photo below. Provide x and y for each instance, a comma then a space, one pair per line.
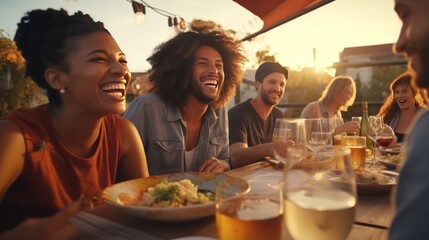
140, 11
71, 2
170, 21
182, 24
175, 21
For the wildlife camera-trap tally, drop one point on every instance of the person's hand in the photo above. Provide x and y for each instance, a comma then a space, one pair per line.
281, 147
350, 127
213, 164
50, 228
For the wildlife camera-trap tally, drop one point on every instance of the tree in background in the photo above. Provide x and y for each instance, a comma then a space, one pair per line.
15, 90
304, 87
376, 90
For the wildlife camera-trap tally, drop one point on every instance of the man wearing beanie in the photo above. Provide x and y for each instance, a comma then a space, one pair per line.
251, 123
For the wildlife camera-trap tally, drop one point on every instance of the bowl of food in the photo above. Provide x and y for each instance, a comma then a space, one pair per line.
172, 197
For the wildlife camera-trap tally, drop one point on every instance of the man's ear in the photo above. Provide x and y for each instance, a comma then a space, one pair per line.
257, 85
55, 78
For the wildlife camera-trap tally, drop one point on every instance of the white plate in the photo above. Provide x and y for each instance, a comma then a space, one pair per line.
385, 160
376, 188
207, 181
379, 188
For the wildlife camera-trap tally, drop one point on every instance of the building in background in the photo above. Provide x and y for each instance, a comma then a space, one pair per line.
359, 62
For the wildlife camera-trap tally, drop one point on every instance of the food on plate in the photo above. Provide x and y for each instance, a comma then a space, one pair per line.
168, 194
365, 176
395, 158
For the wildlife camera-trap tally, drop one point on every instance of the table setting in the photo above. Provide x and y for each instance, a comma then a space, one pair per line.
273, 194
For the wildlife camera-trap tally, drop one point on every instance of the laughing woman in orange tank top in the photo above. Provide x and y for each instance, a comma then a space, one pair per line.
76, 144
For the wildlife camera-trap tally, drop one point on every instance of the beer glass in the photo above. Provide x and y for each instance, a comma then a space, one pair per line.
320, 196
357, 145
255, 215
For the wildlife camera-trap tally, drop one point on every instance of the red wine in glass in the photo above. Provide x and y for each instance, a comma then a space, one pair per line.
384, 141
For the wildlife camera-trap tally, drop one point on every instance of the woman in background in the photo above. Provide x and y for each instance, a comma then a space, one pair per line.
338, 95
75, 145
402, 105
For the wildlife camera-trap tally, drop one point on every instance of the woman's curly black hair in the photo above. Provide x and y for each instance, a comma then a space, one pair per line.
172, 65
45, 40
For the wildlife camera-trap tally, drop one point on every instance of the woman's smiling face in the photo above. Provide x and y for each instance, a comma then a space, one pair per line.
404, 96
98, 75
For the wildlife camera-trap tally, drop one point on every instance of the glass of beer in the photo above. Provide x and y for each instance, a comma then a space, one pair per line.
320, 196
257, 214
357, 146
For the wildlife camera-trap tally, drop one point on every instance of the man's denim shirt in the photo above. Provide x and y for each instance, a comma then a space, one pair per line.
163, 133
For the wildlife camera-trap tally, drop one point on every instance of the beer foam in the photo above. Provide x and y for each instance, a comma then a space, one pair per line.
258, 209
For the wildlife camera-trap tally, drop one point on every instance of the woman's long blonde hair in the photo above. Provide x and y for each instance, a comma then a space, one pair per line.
335, 87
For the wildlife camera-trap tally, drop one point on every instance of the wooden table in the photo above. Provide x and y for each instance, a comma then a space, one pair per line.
373, 216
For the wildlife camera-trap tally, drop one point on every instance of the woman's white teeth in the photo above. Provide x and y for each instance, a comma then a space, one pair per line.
116, 89
114, 86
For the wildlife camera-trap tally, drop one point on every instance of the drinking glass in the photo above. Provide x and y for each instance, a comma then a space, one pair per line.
281, 136
357, 146
329, 125
296, 147
358, 120
257, 214
385, 137
320, 196
374, 127
316, 139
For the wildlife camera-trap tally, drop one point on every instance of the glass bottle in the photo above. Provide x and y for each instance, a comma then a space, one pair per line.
364, 123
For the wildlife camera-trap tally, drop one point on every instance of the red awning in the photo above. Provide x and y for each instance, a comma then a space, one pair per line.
276, 12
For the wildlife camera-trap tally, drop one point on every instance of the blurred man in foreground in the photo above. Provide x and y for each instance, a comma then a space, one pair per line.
412, 197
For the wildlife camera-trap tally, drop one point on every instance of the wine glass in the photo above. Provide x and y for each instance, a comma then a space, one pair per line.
329, 125
320, 196
316, 139
385, 137
374, 127
293, 148
281, 136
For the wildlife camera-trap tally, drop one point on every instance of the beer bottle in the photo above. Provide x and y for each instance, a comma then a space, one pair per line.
364, 124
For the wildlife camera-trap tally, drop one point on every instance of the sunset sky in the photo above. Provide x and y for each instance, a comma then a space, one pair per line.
329, 29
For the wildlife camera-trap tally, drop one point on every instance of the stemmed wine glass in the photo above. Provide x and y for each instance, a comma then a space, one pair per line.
317, 140
374, 128
329, 125
385, 136
289, 140
320, 196
281, 136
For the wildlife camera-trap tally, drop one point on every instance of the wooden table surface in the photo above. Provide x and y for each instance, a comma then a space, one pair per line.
373, 215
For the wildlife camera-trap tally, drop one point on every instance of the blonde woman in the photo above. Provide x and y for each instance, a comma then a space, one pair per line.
338, 95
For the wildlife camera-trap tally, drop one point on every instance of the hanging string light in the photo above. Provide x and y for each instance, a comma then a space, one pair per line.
139, 8
140, 12
170, 21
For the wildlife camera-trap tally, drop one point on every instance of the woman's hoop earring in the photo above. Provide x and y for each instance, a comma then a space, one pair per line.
62, 91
